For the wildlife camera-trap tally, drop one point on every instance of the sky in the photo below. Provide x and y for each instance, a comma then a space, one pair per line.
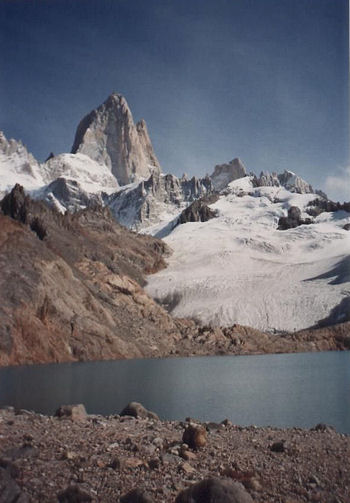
263, 80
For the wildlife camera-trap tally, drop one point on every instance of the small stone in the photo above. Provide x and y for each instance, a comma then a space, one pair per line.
278, 447
69, 455
187, 455
154, 463
115, 464
195, 436
132, 462
187, 468
314, 480
136, 496
158, 442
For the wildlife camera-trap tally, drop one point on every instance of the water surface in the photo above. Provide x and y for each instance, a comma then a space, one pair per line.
280, 390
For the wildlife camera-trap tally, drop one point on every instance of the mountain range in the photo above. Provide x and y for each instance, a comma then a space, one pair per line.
259, 250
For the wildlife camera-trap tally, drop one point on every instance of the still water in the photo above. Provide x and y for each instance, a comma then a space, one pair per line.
280, 390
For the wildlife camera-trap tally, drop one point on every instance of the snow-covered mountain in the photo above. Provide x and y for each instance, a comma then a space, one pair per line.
247, 248
239, 268
17, 165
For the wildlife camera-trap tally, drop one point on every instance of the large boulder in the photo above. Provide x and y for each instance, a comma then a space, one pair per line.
10, 492
74, 412
74, 494
293, 219
195, 436
214, 490
136, 409
136, 496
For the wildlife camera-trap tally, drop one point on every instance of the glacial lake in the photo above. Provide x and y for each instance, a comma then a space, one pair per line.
278, 390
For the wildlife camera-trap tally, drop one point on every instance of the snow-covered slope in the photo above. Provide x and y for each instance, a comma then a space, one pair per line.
238, 268
92, 177
17, 165
67, 181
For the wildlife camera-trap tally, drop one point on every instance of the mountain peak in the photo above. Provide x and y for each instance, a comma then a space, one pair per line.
225, 173
109, 136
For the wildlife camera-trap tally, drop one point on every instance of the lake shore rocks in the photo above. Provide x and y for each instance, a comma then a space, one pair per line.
123, 458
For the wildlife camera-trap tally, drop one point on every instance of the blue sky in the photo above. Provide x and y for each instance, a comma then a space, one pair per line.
263, 80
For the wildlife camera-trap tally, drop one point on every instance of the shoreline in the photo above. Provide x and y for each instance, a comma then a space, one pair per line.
237, 340
172, 357
107, 456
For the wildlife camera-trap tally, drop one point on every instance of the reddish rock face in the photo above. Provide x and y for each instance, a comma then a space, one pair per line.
76, 293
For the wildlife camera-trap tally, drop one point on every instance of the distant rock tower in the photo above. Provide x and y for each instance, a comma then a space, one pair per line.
109, 136
225, 173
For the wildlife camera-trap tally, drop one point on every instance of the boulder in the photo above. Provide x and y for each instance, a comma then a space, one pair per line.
214, 490
74, 494
74, 412
136, 496
10, 492
136, 409
293, 219
195, 436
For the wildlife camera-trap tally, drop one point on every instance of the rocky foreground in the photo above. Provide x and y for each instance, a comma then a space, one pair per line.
76, 457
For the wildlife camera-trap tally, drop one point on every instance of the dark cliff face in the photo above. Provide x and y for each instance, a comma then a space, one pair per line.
71, 286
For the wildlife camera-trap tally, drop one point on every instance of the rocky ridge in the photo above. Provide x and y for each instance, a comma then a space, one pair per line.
160, 197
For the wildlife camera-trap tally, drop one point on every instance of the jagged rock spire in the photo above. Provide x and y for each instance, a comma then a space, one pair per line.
225, 173
109, 135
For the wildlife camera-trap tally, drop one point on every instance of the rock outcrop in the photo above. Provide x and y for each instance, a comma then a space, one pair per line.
109, 136
293, 219
156, 198
198, 211
225, 173
287, 179
294, 183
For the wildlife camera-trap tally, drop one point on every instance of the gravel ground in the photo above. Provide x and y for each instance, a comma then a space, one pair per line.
108, 456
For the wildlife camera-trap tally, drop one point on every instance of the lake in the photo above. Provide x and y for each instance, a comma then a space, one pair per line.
278, 390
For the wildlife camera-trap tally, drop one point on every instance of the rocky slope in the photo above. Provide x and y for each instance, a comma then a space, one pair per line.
71, 287
95, 458
109, 136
